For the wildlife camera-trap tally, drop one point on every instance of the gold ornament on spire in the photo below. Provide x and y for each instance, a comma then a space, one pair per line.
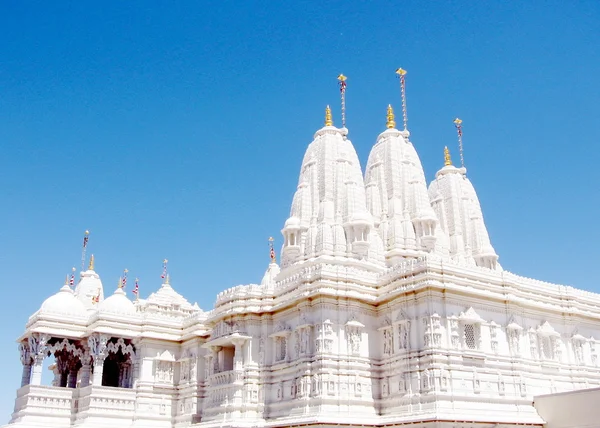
328, 119
391, 123
67, 280
168, 279
91, 265
447, 159
402, 75
120, 283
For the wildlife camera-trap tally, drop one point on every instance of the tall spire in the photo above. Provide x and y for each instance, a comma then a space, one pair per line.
402, 74
328, 119
91, 265
447, 159
342, 79
391, 123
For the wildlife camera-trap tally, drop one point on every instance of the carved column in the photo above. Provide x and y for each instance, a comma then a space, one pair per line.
215, 357
238, 357
86, 369
98, 350
37, 350
26, 361
73, 372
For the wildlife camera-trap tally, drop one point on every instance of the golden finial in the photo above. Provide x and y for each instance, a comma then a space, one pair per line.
400, 72
91, 265
391, 123
328, 119
120, 283
342, 78
87, 232
168, 279
447, 160
67, 280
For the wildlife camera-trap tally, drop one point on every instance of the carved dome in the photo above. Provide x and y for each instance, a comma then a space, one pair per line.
118, 303
89, 287
63, 303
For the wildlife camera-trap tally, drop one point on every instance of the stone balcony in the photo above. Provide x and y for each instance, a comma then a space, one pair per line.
48, 405
225, 378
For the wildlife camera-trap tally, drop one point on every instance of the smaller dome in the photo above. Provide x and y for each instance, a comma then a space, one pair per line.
64, 303
118, 303
269, 277
292, 223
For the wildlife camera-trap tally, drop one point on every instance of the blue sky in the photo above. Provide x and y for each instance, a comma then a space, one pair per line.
176, 130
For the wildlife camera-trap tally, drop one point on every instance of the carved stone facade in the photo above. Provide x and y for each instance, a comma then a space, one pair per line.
390, 309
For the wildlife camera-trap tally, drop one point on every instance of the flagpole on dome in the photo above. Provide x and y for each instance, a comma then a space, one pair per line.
342, 82
272, 251
402, 75
72, 279
458, 125
124, 281
164, 272
86, 237
136, 290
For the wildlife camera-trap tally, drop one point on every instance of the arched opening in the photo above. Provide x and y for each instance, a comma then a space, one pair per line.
117, 370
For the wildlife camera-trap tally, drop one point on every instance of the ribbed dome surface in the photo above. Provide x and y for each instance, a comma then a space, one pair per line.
63, 303
118, 303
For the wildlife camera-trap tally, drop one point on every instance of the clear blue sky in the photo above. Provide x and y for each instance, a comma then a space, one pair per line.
176, 130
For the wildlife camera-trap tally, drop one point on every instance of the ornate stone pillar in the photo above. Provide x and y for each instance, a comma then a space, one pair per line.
37, 349
26, 361
98, 350
73, 371
215, 357
86, 369
238, 356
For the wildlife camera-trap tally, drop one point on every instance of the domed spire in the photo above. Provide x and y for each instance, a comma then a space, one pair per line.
328, 119
329, 215
456, 204
391, 123
89, 289
397, 197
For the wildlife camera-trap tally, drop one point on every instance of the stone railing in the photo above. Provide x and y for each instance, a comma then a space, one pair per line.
44, 400
99, 399
242, 292
224, 378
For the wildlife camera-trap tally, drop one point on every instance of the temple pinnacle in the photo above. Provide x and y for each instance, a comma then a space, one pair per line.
91, 265
447, 159
328, 119
391, 123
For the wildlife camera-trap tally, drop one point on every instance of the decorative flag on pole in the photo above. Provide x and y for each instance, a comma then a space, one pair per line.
72, 280
342, 81
86, 238
458, 125
164, 272
124, 280
272, 251
136, 290
402, 74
